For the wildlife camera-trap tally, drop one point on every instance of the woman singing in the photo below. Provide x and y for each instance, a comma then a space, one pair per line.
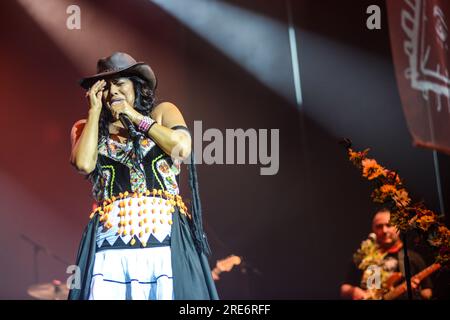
141, 241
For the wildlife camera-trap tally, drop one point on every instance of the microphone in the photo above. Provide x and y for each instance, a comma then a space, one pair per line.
372, 236
128, 124
135, 135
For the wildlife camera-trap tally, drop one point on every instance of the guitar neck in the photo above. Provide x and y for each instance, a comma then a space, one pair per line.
402, 288
427, 271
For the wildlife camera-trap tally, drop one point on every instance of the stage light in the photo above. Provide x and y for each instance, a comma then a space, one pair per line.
259, 44
99, 35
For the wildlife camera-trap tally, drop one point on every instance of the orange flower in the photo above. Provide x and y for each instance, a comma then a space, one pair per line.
441, 237
385, 191
371, 169
405, 216
401, 198
357, 157
443, 231
425, 222
388, 189
425, 218
353, 155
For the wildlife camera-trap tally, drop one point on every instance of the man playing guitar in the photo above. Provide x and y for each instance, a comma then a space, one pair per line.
389, 247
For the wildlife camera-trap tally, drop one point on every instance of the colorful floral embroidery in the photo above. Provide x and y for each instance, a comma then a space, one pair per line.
176, 167
168, 176
123, 153
154, 171
137, 179
163, 167
103, 184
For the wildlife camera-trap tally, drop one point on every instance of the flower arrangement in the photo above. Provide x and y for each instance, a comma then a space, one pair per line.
369, 254
390, 191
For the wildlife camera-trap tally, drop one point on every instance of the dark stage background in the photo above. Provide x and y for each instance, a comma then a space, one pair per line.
297, 229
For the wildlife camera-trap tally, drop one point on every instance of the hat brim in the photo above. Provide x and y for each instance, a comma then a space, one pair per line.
139, 69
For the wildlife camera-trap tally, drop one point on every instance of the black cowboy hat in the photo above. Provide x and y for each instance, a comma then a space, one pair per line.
120, 63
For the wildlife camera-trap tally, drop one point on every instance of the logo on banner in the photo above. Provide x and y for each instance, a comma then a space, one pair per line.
427, 39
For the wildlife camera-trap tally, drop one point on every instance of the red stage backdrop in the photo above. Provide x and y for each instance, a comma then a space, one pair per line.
419, 32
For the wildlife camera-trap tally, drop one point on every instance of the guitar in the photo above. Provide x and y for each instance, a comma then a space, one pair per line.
225, 265
393, 292
402, 288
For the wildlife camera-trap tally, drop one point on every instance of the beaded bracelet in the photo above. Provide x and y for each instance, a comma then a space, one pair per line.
145, 124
